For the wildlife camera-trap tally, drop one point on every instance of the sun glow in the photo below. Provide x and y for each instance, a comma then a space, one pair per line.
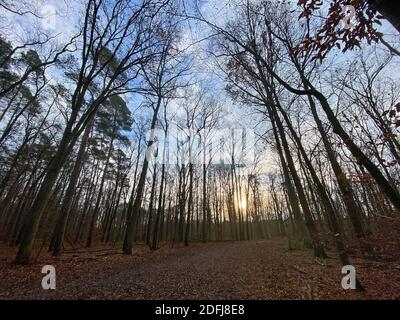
242, 205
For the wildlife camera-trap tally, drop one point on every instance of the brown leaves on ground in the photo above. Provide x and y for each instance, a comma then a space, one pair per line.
229, 270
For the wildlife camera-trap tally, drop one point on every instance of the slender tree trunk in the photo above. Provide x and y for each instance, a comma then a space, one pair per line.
100, 194
130, 229
66, 206
150, 219
319, 250
36, 212
190, 205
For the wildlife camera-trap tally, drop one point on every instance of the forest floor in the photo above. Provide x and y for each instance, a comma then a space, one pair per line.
263, 269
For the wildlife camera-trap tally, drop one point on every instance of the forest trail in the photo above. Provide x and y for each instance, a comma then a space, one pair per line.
227, 270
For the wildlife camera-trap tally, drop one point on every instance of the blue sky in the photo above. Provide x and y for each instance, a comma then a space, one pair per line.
60, 18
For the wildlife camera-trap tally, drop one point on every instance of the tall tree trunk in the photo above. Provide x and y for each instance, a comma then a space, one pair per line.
160, 210
151, 205
319, 250
100, 194
353, 210
190, 205
66, 205
42, 197
130, 228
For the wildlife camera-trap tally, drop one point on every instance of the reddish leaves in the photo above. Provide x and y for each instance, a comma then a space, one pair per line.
333, 34
232, 270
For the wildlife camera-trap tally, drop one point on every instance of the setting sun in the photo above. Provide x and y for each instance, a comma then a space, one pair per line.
242, 205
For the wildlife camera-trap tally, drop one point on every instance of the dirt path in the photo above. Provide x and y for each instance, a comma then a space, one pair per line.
231, 270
